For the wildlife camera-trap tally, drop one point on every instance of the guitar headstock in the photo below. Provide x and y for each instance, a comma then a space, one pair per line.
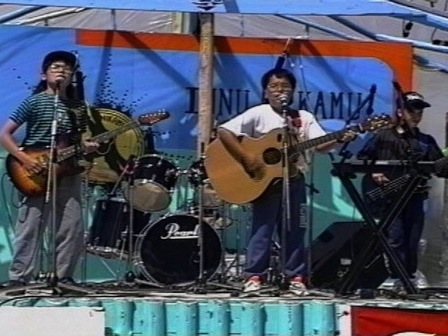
376, 122
149, 119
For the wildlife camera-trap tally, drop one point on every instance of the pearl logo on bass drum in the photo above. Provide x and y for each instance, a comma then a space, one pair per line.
173, 231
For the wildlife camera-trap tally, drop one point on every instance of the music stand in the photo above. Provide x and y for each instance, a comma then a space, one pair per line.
346, 173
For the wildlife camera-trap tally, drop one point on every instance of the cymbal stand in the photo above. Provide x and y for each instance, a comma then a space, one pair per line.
200, 286
129, 170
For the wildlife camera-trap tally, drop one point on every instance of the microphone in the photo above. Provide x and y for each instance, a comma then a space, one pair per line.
400, 101
284, 99
59, 81
371, 98
407, 29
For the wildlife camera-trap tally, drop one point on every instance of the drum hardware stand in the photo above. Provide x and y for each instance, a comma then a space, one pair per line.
130, 277
236, 261
200, 285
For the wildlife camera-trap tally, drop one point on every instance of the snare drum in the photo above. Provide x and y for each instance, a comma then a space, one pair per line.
198, 175
154, 179
109, 232
168, 251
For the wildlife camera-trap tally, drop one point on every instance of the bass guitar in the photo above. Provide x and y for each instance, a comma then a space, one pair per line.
35, 184
234, 185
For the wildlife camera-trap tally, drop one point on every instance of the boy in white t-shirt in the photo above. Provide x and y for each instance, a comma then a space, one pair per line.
278, 87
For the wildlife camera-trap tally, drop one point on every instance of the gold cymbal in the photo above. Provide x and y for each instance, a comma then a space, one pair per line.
108, 162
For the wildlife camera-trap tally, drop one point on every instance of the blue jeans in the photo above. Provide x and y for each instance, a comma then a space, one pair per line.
266, 218
404, 233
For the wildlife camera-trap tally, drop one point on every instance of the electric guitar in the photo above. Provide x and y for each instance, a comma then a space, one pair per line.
35, 184
234, 185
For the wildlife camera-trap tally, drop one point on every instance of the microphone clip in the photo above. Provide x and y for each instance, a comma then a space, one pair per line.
131, 164
284, 99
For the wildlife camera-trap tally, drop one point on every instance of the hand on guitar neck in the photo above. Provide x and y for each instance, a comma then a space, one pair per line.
90, 146
380, 178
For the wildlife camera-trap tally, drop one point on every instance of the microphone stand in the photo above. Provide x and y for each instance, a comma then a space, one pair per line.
355, 115
51, 193
51, 190
200, 285
286, 197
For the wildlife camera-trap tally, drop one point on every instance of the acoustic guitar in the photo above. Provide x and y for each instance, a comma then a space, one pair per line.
35, 184
234, 185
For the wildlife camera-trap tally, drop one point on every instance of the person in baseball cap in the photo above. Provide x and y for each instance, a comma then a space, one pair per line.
415, 100
407, 144
59, 55
52, 114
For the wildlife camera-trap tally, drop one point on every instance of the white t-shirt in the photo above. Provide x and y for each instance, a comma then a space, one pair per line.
261, 119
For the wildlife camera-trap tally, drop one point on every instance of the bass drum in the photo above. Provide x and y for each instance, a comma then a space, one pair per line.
168, 251
106, 165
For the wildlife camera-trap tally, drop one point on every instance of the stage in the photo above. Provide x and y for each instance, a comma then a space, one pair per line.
221, 309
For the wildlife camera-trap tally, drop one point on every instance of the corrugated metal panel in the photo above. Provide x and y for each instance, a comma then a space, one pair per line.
159, 316
217, 317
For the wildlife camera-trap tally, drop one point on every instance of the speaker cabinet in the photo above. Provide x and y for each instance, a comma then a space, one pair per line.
336, 249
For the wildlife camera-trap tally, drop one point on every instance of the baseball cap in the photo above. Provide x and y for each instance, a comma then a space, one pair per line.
416, 100
59, 55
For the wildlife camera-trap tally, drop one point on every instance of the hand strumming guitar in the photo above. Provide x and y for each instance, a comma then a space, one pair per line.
32, 165
252, 165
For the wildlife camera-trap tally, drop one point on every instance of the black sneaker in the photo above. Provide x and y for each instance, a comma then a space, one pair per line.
14, 284
67, 281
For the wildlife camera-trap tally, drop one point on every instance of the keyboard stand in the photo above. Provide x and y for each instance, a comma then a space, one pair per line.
346, 174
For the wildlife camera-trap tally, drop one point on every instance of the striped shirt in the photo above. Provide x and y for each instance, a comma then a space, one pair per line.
37, 112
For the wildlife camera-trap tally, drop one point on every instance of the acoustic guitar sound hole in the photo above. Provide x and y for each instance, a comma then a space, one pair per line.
272, 156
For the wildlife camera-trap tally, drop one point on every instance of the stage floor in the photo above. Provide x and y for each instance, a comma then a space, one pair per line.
221, 309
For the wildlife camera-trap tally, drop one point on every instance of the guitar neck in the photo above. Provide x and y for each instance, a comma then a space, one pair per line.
300, 147
68, 152
100, 138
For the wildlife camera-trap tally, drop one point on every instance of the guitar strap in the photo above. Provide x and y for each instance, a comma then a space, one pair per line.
296, 121
75, 113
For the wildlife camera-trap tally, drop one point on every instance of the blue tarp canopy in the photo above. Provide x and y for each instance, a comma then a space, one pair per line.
293, 7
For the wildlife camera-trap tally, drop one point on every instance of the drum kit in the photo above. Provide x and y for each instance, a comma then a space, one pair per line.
131, 222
